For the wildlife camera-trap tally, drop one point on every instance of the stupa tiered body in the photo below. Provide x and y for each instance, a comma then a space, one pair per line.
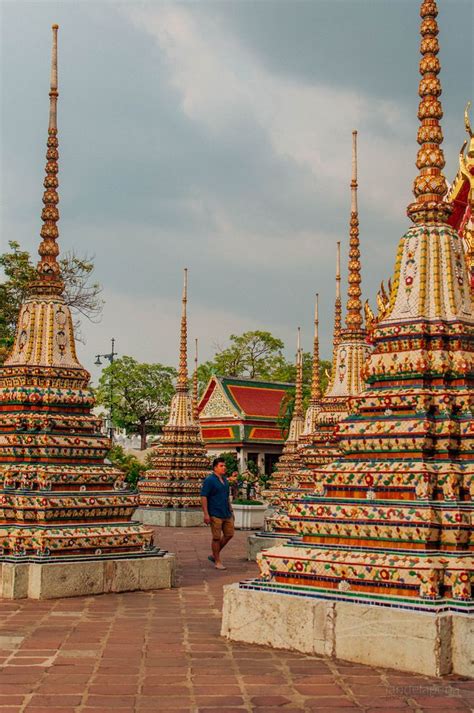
170, 490
65, 515
385, 572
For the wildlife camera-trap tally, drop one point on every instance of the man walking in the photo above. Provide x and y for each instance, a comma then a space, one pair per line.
217, 510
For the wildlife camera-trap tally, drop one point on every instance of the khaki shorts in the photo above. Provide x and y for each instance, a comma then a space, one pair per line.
221, 526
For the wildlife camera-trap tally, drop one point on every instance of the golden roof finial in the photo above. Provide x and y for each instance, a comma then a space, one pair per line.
354, 304
49, 273
429, 187
464, 165
338, 304
467, 122
298, 410
183, 346
315, 380
195, 382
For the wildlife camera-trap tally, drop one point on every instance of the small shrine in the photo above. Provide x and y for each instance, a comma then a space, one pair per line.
384, 573
241, 416
170, 490
65, 513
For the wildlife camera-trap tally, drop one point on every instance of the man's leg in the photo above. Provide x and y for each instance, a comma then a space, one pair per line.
227, 532
216, 529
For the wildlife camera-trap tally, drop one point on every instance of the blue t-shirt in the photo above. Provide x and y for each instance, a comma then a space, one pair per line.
217, 495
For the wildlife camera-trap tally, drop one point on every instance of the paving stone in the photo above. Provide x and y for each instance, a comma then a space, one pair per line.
141, 652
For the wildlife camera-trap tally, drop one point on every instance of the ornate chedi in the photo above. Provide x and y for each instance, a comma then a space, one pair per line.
170, 490
318, 443
289, 461
60, 502
391, 525
277, 524
320, 446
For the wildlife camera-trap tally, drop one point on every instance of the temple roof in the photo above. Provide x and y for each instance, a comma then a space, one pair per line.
244, 398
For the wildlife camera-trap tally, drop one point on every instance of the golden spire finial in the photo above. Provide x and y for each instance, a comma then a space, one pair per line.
338, 304
298, 410
354, 304
183, 346
49, 274
315, 380
195, 382
429, 187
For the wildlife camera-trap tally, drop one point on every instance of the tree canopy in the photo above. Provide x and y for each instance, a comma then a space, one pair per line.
140, 394
259, 355
81, 294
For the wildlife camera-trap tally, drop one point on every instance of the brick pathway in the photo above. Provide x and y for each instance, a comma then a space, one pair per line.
161, 651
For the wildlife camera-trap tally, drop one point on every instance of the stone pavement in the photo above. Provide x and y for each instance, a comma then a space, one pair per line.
161, 651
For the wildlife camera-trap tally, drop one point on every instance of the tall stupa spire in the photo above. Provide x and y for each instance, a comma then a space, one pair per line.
195, 382
182, 384
290, 460
315, 380
338, 304
429, 187
49, 273
298, 411
354, 304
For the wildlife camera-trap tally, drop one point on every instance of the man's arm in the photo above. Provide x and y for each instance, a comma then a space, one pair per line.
205, 510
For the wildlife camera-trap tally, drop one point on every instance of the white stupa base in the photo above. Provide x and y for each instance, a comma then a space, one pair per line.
169, 517
428, 643
52, 580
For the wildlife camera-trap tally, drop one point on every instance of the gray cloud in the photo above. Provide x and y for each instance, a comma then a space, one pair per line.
217, 135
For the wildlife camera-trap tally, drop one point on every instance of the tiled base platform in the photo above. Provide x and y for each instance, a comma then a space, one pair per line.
424, 642
168, 517
51, 580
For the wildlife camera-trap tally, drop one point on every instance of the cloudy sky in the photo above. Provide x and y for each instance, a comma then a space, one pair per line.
216, 135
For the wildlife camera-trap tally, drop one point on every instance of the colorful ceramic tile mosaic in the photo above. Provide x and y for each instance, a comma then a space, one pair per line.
391, 520
179, 461
58, 498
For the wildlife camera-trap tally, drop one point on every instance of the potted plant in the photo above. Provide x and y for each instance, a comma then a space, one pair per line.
248, 510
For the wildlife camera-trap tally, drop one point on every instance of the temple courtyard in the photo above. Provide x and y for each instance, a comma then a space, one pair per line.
162, 651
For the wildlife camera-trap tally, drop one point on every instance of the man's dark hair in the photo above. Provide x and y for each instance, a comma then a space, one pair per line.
216, 461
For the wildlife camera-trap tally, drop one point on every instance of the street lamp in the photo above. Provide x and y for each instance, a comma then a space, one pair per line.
98, 362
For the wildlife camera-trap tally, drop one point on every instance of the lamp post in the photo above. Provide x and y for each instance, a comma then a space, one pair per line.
98, 362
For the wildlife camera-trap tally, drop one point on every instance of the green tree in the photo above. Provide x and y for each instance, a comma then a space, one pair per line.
253, 355
127, 463
81, 294
140, 395
204, 372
